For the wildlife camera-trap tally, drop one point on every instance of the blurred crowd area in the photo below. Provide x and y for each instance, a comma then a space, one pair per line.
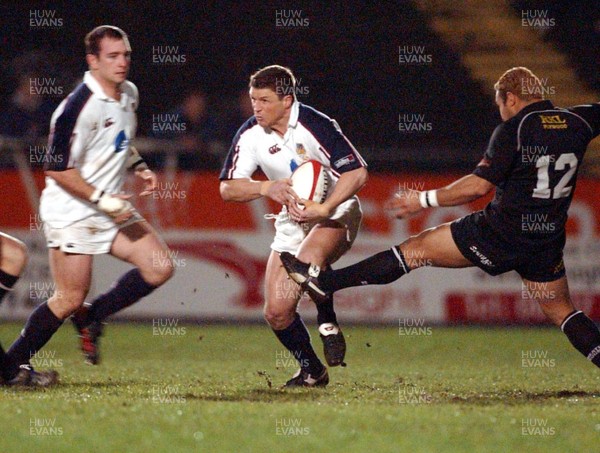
576, 33
192, 67
195, 123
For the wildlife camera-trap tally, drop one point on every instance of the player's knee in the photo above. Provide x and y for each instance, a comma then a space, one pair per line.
166, 272
411, 243
67, 302
413, 252
159, 272
271, 316
311, 256
21, 253
15, 254
277, 317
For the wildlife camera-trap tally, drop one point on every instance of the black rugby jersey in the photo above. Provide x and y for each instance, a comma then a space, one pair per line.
533, 159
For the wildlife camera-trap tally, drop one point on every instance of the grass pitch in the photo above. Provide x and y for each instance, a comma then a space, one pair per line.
216, 388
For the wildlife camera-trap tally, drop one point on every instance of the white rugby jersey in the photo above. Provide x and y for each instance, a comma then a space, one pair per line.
310, 135
91, 132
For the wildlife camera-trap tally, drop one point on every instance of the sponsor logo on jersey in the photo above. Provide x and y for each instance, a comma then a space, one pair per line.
553, 122
109, 122
121, 142
344, 161
274, 149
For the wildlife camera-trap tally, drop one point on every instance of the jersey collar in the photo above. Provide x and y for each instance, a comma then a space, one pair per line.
294, 112
95, 87
535, 107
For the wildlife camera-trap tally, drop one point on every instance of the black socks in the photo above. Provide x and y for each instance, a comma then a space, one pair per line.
583, 334
130, 288
6, 370
380, 269
325, 312
296, 339
38, 330
7, 281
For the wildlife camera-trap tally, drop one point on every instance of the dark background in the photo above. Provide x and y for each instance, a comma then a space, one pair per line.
347, 58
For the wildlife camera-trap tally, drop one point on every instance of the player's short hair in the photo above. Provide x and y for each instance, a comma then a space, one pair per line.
278, 78
93, 38
521, 82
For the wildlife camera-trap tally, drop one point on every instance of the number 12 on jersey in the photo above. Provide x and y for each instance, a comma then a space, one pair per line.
561, 190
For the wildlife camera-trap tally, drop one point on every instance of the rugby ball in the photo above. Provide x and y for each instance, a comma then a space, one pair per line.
310, 181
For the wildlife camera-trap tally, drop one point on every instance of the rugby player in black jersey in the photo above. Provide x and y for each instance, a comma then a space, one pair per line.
532, 161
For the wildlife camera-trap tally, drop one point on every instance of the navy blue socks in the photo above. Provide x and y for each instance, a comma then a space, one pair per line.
296, 339
38, 330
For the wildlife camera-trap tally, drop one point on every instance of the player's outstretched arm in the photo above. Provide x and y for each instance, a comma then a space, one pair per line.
464, 190
246, 189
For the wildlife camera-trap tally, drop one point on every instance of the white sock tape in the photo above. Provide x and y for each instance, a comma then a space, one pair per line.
423, 199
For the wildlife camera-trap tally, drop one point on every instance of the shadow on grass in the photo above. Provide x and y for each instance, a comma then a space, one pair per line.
516, 397
75, 388
261, 395
273, 395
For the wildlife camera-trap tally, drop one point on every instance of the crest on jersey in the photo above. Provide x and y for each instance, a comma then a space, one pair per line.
301, 151
121, 142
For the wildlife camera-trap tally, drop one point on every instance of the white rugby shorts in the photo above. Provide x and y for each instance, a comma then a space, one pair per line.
289, 234
93, 235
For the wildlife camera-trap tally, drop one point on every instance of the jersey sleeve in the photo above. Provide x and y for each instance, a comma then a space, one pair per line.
71, 129
342, 155
498, 157
135, 104
590, 114
241, 159
135, 94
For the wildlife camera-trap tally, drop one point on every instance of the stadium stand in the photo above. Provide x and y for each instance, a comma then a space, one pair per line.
492, 37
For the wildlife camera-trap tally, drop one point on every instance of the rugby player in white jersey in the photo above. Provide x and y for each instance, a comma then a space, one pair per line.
83, 210
280, 136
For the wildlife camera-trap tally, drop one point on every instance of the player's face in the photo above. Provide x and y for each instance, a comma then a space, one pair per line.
112, 63
268, 108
